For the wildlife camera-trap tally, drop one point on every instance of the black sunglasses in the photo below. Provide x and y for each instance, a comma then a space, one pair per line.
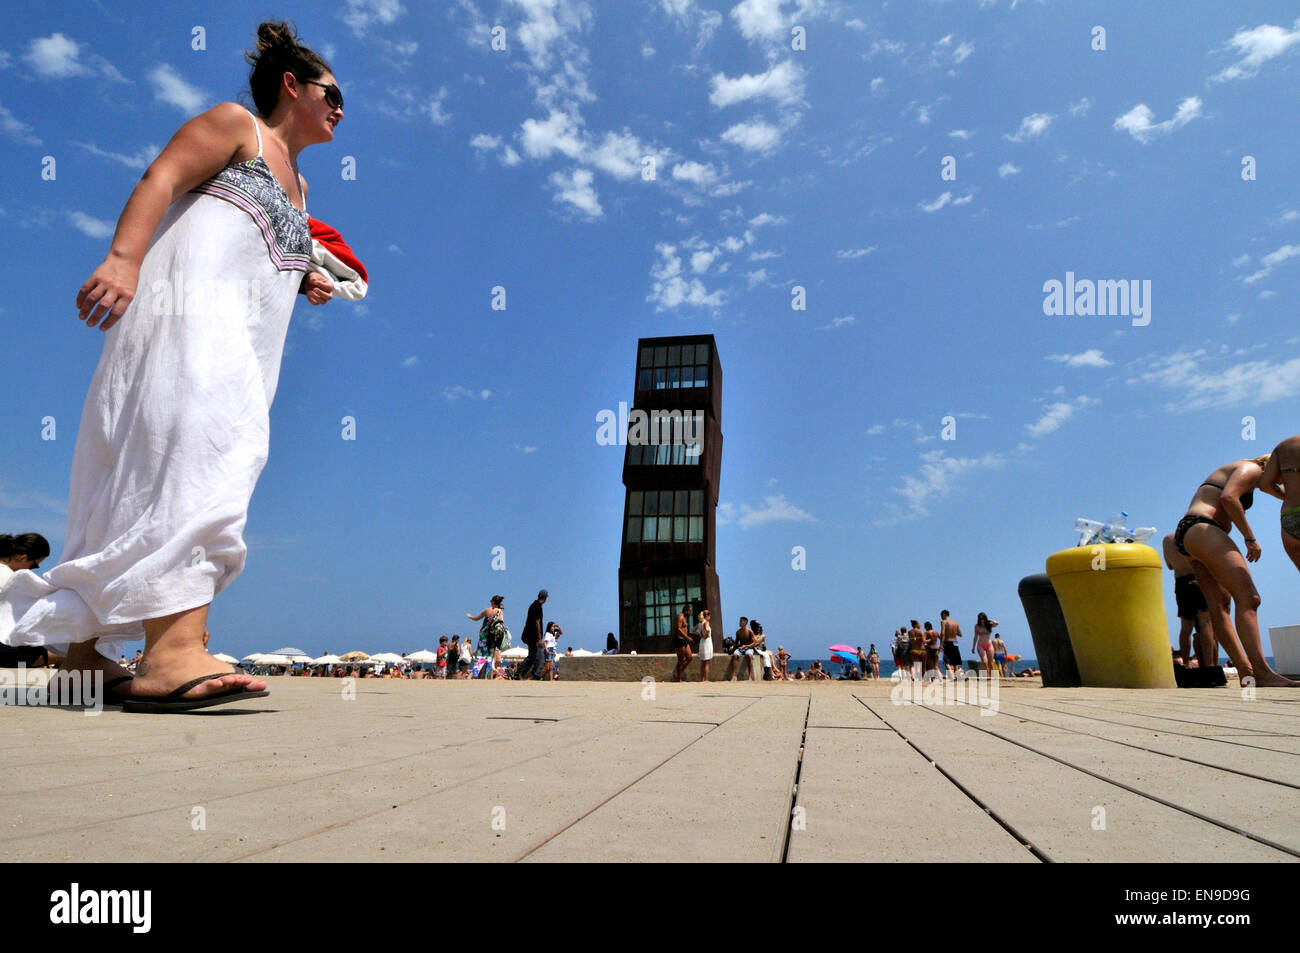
333, 95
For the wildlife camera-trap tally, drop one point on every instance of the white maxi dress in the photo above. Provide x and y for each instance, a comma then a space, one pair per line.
175, 429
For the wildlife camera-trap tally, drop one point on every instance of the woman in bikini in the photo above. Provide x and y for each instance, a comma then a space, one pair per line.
1283, 469
984, 627
1202, 536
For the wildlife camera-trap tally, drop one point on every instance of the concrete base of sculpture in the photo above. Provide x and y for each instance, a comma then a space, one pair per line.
634, 668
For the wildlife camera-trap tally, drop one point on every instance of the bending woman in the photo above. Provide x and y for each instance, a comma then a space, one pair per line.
1283, 471
194, 298
1202, 536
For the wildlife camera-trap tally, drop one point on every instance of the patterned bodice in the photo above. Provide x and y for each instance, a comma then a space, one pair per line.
253, 187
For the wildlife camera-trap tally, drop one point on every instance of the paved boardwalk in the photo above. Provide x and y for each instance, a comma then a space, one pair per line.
596, 771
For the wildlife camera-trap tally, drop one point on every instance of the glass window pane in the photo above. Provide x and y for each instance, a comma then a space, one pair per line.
647, 357
629, 590
680, 498
651, 503
661, 457
674, 355
661, 356
634, 500
665, 529
648, 530
659, 378
697, 502
697, 529
672, 378
701, 354
679, 529
693, 588
665, 502
701, 375
634, 529
679, 591
679, 455
643, 379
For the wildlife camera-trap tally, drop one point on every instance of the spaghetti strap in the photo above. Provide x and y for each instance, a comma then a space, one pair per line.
257, 129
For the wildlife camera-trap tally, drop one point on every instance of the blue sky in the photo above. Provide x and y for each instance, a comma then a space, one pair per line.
774, 167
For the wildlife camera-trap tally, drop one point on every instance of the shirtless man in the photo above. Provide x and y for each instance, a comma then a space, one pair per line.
1193, 613
745, 647
951, 632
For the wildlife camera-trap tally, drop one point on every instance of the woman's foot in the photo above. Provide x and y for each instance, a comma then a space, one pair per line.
1271, 679
83, 657
163, 671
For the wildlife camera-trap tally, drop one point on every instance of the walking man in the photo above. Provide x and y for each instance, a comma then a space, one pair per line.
951, 650
532, 637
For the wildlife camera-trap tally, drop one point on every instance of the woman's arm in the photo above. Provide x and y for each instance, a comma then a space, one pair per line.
475, 618
199, 149
1270, 480
1243, 479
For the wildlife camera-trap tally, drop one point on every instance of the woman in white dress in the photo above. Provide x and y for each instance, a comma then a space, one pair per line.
195, 296
704, 638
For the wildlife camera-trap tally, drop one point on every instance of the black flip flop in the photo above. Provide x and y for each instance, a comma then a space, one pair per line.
175, 703
113, 697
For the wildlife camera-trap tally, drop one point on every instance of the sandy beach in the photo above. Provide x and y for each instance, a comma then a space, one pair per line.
797, 772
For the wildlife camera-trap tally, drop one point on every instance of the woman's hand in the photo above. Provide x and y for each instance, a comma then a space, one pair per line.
317, 287
104, 298
1253, 551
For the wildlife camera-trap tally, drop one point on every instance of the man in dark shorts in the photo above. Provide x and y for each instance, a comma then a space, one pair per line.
532, 637
744, 648
1193, 611
682, 641
951, 651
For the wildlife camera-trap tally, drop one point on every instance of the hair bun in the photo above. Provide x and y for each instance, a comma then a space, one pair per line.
276, 36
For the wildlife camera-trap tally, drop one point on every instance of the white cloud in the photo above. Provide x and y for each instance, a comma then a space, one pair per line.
140, 160
878, 85
58, 57
1199, 385
938, 203
557, 133
411, 361
1057, 414
701, 260
619, 154
360, 14
1090, 358
485, 143
1081, 107
767, 218
1137, 121
92, 227
1270, 260
670, 289
16, 129
783, 84
1241, 261
754, 136
690, 16
936, 479
964, 200
775, 509
847, 254
526, 449
961, 133
696, 173
458, 392
962, 52
1031, 127
1256, 47
439, 116
171, 88
838, 322
766, 21
576, 189
1007, 168
755, 278
875, 430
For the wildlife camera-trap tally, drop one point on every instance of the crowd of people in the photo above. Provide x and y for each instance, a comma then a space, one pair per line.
936, 653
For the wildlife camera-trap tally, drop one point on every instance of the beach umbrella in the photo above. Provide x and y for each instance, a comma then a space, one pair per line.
582, 653
355, 656
291, 652
388, 658
424, 655
517, 652
252, 658
226, 658
272, 658
326, 660
845, 649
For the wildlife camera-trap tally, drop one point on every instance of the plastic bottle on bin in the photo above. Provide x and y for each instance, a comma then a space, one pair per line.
1113, 531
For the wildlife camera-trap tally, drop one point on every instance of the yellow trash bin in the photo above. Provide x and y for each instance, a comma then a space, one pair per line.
1112, 598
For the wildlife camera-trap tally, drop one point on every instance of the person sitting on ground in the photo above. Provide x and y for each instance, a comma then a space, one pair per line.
744, 648
798, 674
